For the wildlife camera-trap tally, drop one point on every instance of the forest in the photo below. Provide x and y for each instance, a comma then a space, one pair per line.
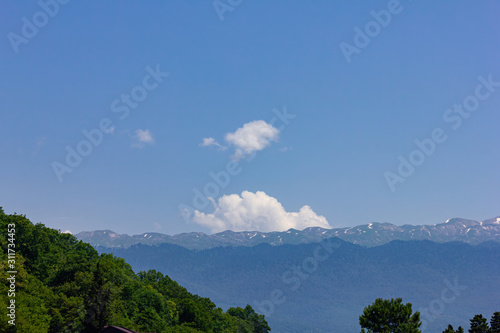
56, 283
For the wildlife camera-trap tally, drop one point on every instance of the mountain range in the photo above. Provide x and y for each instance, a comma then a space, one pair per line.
369, 235
323, 287
319, 280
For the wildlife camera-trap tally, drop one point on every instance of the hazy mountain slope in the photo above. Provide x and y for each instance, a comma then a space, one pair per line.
372, 234
330, 297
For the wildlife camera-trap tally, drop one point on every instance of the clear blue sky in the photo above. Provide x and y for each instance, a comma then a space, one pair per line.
352, 119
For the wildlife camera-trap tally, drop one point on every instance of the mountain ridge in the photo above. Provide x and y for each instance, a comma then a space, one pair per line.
326, 291
369, 235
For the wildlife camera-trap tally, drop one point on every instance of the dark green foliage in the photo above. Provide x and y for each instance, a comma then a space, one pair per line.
390, 316
449, 329
64, 285
478, 324
248, 315
495, 323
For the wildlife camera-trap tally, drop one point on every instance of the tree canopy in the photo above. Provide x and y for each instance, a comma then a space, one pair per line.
479, 324
64, 286
389, 316
450, 329
495, 323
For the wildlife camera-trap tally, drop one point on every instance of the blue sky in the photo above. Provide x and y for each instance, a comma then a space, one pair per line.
356, 114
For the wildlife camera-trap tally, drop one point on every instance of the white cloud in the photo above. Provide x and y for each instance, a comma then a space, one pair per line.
256, 212
142, 137
207, 142
253, 136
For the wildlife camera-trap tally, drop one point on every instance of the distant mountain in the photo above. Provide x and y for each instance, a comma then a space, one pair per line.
323, 287
372, 234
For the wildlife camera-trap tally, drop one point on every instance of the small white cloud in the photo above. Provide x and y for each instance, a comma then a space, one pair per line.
207, 142
253, 136
142, 137
256, 212
157, 225
285, 149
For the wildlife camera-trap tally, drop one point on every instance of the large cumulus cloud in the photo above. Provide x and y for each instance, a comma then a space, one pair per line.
256, 212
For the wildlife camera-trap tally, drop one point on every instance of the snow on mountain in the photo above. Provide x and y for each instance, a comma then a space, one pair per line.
372, 234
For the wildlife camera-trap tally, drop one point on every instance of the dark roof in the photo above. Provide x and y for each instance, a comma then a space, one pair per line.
116, 329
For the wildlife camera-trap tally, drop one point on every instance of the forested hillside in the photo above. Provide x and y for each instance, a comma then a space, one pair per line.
323, 287
64, 285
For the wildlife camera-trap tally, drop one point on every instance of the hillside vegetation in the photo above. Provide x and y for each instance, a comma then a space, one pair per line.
64, 285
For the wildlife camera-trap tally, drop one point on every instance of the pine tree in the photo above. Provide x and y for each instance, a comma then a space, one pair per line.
449, 329
478, 324
495, 323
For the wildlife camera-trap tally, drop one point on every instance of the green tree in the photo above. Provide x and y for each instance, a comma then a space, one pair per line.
495, 323
98, 300
449, 329
478, 324
249, 315
389, 316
